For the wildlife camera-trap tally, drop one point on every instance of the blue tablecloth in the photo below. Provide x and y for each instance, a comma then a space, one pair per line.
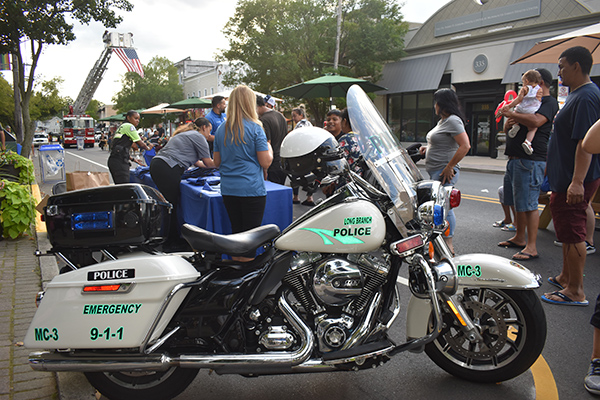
149, 155
141, 175
205, 208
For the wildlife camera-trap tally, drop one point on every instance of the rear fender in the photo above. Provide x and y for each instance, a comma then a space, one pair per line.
473, 270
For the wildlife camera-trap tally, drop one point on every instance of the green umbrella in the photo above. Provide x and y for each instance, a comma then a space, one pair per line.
192, 102
327, 86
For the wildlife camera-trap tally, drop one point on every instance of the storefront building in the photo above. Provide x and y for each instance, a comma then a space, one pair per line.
469, 46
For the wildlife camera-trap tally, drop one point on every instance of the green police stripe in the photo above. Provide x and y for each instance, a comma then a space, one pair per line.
326, 234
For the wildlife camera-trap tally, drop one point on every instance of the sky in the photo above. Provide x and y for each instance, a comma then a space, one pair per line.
174, 29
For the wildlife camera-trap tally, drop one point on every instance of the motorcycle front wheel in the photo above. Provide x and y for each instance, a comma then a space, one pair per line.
147, 385
512, 324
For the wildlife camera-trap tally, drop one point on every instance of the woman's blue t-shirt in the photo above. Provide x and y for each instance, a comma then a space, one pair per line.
241, 173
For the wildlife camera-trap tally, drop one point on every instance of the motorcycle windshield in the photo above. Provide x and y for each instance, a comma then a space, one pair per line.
388, 161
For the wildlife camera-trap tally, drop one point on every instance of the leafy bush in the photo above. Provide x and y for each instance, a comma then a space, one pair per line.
18, 209
17, 202
20, 163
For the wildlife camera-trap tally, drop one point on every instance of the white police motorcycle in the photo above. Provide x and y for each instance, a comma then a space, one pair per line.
321, 297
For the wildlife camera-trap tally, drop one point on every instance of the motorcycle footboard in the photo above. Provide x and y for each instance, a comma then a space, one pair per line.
365, 350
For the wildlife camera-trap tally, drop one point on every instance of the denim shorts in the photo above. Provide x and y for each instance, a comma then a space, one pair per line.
522, 182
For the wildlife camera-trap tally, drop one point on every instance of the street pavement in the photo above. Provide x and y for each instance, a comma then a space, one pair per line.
22, 275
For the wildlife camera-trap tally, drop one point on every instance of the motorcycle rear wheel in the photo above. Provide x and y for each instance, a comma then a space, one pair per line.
513, 326
148, 385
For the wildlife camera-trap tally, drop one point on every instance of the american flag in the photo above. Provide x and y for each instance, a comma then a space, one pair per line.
130, 59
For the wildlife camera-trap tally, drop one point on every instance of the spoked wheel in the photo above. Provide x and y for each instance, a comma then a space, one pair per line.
147, 385
512, 324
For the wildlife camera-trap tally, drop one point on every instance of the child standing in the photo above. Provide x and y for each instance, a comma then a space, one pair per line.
527, 102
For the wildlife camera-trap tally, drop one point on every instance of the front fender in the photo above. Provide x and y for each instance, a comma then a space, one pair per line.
486, 270
473, 270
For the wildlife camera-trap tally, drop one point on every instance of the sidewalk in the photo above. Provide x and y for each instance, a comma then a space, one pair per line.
22, 275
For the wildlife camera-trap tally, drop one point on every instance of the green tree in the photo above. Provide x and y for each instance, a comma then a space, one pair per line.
160, 85
278, 43
92, 109
46, 102
7, 104
45, 22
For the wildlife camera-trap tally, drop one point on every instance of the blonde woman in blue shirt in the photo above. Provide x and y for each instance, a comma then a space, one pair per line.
243, 155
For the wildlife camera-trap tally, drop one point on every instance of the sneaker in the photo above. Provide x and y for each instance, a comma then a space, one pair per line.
527, 147
589, 248
514, 130
592, 379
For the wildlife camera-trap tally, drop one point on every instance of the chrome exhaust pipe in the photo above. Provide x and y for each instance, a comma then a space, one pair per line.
47, 361
226, 363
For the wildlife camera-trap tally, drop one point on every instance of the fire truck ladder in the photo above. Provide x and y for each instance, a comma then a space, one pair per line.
92, 82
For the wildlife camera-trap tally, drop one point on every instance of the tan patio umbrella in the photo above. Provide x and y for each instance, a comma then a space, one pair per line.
162, 109
549, 50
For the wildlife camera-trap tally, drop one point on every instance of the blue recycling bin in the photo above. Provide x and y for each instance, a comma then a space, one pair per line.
52, 162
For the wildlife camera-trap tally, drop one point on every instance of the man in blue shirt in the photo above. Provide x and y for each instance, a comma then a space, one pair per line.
573, 173
217, 115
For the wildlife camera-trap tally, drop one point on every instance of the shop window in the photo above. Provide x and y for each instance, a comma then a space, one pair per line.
411, 116
425, 116
395, 114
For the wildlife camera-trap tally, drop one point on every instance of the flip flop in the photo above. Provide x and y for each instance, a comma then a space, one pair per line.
526, 256
499, 224
510, 243
552, 280
509, 228
308, 203
567, 301
296, 201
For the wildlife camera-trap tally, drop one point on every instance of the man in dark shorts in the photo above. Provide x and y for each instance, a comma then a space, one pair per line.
525, 172
573, 173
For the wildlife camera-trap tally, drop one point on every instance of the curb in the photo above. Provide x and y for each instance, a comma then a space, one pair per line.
70, 385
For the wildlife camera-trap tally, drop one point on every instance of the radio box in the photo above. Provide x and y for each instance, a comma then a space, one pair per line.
117, 215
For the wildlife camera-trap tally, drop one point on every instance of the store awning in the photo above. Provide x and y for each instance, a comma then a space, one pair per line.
415, 75
513, 72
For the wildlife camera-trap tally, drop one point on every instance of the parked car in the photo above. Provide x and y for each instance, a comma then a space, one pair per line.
40, 138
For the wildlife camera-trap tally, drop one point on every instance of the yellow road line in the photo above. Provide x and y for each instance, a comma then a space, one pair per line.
39, 225
543, 380
489, 200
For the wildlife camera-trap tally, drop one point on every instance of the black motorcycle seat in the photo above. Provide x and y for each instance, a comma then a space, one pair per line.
235, 244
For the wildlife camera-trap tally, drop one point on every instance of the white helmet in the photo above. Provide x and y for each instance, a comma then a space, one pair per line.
310, 149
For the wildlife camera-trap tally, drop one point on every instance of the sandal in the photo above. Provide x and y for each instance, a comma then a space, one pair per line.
499, 224
509, 228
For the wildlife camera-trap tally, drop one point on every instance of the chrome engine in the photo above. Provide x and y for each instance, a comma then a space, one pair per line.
340, 294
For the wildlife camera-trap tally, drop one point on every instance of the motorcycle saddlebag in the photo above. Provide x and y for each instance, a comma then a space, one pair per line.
116, 215
112, 304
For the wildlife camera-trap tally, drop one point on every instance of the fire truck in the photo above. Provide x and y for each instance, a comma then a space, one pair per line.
77, 123
78, 126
